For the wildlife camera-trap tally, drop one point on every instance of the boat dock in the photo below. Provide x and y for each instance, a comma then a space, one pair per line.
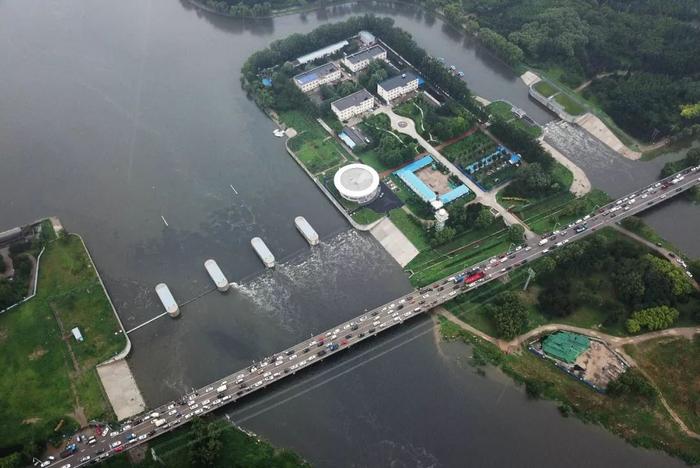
216, 275
306, 230
263, 252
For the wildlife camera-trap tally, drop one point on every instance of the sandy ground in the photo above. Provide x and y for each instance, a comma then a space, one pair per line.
529, 78
122, 391
436, 180
394, 242
601, 364
581, 185
598, 129
482, 101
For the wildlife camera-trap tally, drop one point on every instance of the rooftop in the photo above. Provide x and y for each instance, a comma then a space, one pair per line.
351, 100
398, 80
565, 346
316, 73
310, 57
365, 54
356, 180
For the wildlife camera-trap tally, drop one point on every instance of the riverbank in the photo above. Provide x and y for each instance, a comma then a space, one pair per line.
60, 388
642, 423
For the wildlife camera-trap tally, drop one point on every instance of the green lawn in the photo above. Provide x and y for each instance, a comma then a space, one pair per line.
36, 366
366, 216
371, 158
502, 110
569, 104
469, 149
409, 228
545, 88
314, 147
674, 366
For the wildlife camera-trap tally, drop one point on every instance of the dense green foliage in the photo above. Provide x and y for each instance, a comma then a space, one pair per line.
571, 278
654, 318
392, 149
632, 383
509, 314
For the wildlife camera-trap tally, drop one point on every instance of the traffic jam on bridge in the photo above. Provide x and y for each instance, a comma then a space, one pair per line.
92, 449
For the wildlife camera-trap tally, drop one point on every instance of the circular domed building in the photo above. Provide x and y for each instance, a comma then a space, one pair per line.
357, 183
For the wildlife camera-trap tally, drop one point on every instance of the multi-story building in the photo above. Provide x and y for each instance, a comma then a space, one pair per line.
353, 104
312, 79
398, 86
359, 60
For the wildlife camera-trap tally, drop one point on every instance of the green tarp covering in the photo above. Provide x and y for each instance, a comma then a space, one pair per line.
565, 346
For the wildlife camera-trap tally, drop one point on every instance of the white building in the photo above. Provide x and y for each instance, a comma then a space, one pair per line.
359, 60
367, 38
320, 53
398, 86
357, 183
353, 104
312, 79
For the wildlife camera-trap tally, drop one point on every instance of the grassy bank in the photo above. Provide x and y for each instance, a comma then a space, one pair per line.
674, 366
642, 423
48, 376
237, 450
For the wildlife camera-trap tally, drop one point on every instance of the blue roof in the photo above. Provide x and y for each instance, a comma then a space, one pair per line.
454, 194
417, 164
307, 78
347, 140
417, 186
515, 158
267, 82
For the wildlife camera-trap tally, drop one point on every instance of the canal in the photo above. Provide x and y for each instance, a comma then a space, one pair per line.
117, 115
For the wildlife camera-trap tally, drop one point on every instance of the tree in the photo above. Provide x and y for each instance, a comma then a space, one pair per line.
484, 219
443, 236
556, 298
654, 318
13, 460
516, 233
690, 111
206, 443
631, 383
509, 315
665, 283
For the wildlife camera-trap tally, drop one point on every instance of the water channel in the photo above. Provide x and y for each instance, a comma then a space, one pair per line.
114, 114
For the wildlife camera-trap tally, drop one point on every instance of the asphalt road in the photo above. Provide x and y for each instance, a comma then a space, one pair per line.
289, 361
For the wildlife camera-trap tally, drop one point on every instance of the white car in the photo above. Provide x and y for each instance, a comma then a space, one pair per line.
206, 402
198, 411
115, 433
144, 436
452, 293
172, 412
115, 444
292, 357
208, 389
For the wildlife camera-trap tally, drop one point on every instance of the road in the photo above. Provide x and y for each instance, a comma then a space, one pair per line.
237, 385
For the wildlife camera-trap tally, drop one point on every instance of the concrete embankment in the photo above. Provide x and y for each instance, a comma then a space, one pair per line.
394, 241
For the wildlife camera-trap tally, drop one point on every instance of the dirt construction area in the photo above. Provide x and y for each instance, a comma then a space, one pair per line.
600, 364
436, 180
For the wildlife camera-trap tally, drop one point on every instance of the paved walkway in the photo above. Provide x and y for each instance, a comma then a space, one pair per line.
485, 198
394, 241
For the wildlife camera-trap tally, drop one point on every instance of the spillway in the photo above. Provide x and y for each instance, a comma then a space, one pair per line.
263, 252
167, 299
216, 275
306, 230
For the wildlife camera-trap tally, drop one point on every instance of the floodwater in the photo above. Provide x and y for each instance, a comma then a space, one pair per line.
117, 115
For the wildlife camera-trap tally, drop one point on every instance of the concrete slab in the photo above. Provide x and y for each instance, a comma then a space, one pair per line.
482, 101
598, 129
529, 78
580, 185
123, 393
394, 241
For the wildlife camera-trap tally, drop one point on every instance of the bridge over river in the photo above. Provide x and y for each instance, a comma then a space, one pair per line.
287, 362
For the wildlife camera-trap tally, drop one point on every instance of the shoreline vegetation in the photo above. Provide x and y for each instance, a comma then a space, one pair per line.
648, 104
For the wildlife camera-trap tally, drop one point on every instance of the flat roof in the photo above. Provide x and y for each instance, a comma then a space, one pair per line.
365, 54
398, 80
316, 73
356, 180
351, 100
329, 49
355, 135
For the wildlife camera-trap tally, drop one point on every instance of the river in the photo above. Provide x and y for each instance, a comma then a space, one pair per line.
115, 114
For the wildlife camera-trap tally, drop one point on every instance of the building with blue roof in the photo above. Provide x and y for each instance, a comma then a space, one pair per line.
408, 175
312, 79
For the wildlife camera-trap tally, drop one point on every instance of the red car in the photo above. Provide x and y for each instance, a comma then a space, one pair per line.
343, 342
119, 449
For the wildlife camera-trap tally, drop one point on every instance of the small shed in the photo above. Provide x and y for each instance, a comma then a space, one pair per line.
77, 335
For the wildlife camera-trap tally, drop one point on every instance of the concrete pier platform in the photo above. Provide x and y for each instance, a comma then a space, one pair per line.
123, 393
394, 241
